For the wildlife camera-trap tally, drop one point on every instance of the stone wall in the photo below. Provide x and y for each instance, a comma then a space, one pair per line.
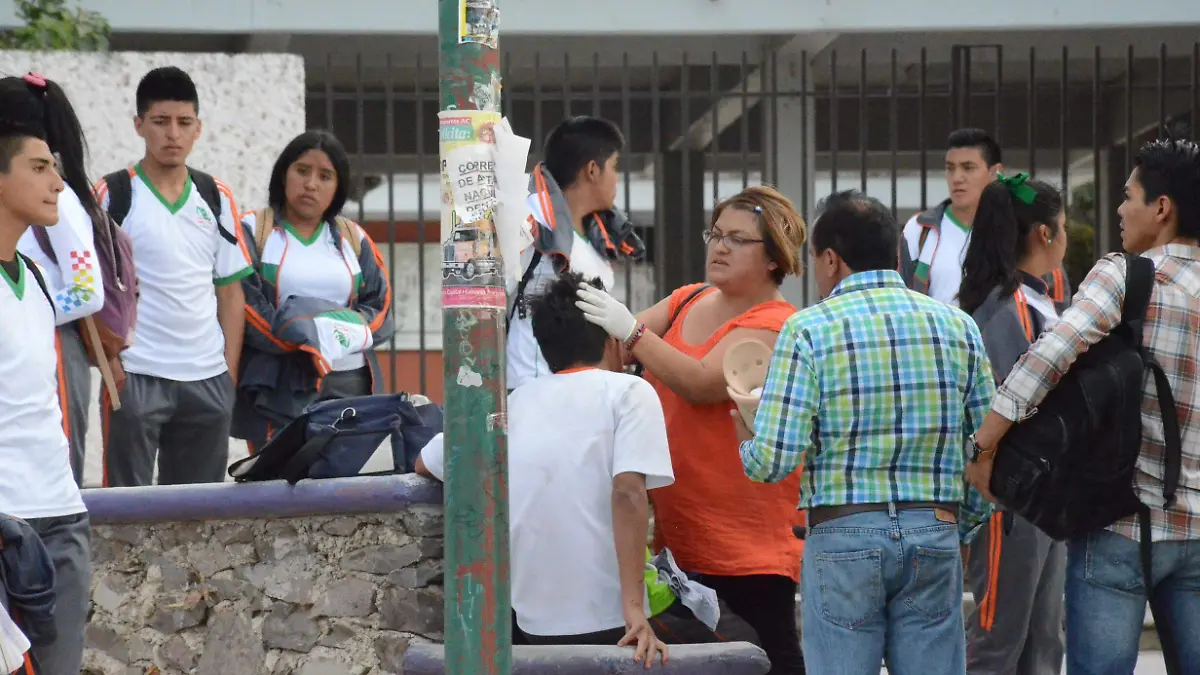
331, 577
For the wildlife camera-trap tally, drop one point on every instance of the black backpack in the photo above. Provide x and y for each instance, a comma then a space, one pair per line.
1069, 468
120, 197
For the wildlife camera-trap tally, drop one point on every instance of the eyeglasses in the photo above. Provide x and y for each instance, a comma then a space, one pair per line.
731, 240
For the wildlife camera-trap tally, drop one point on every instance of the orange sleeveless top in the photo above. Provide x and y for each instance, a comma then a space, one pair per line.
714, 519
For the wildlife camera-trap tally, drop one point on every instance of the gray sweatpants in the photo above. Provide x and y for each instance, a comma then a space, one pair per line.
184, 425
68, 541
1018, 582
74, 399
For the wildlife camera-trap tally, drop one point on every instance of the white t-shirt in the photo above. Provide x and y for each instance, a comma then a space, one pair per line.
944, 252
316, 269
525, 360
568, 435
74, 281
181, 257
35, 465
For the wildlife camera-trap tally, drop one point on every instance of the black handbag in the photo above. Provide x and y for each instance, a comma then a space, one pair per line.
340, 438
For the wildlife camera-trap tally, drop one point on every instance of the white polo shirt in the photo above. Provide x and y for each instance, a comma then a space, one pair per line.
569, 434
35, 478
315, 268
181, 257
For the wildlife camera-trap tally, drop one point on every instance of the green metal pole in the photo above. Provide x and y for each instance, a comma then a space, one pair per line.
478, 628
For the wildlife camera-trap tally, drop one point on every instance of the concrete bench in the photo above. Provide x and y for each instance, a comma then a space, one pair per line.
731, 658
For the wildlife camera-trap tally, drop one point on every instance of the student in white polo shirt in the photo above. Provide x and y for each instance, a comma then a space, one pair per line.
574, 225
177, 401
76, 284
585, 443
36, 484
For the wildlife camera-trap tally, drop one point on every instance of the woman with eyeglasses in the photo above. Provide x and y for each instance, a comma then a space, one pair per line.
735, 533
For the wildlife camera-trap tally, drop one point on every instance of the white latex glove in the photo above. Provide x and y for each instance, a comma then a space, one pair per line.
606, 311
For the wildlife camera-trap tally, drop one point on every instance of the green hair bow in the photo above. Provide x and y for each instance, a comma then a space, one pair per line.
1018, 187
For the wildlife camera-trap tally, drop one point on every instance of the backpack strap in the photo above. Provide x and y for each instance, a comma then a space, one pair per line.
37, 276
206, 185
639, 369
346, 228
264, 224
519, 296
42, 237
1139, 285
930, 222
120, 195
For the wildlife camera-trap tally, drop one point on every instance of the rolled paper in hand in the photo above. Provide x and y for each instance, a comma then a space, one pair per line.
745, 366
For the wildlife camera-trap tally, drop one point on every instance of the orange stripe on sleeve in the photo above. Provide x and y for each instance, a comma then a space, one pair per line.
387, 286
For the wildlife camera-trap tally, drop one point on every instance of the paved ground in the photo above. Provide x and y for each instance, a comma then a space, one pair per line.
1149, 663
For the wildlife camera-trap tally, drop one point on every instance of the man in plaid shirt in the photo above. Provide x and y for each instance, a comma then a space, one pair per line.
1106, 597
876, 390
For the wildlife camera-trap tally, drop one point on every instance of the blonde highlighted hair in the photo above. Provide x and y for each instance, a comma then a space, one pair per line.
781, 226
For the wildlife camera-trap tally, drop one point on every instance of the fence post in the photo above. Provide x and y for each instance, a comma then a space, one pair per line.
478, 628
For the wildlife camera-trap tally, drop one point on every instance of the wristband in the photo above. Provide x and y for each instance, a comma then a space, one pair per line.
633, 338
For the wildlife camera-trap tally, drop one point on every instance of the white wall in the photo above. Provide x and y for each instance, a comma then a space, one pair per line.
251, 105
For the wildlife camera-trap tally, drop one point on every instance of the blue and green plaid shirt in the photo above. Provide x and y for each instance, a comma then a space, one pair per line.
876, 390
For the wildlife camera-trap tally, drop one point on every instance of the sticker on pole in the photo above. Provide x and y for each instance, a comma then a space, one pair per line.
474, 297
478, 22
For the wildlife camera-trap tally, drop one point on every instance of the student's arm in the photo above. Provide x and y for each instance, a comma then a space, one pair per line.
641, 462
232, 266
81, 292
975, 510
431, 463
784, 422
259, 302
375, 292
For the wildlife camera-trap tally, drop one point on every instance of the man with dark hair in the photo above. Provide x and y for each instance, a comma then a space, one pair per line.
935, 241
574, 225
1105, 593
875, 390
178, 393
36, 483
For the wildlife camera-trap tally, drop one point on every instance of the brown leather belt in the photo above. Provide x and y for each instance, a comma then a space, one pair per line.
943, 511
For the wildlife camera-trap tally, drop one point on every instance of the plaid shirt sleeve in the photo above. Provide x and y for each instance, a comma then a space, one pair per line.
784, 422
1095, 310
974, 510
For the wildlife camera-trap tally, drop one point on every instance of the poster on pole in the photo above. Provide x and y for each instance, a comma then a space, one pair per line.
470, 248
478, 22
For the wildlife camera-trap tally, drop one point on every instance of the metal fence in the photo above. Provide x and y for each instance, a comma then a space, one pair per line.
699, 128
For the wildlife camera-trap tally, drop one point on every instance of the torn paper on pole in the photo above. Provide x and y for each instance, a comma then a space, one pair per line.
471, 170
510, 153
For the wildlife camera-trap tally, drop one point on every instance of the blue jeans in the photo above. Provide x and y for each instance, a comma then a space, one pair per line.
1106, 601
883, 584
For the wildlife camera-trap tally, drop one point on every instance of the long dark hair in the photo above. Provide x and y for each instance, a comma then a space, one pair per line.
45, 105
1009, 209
